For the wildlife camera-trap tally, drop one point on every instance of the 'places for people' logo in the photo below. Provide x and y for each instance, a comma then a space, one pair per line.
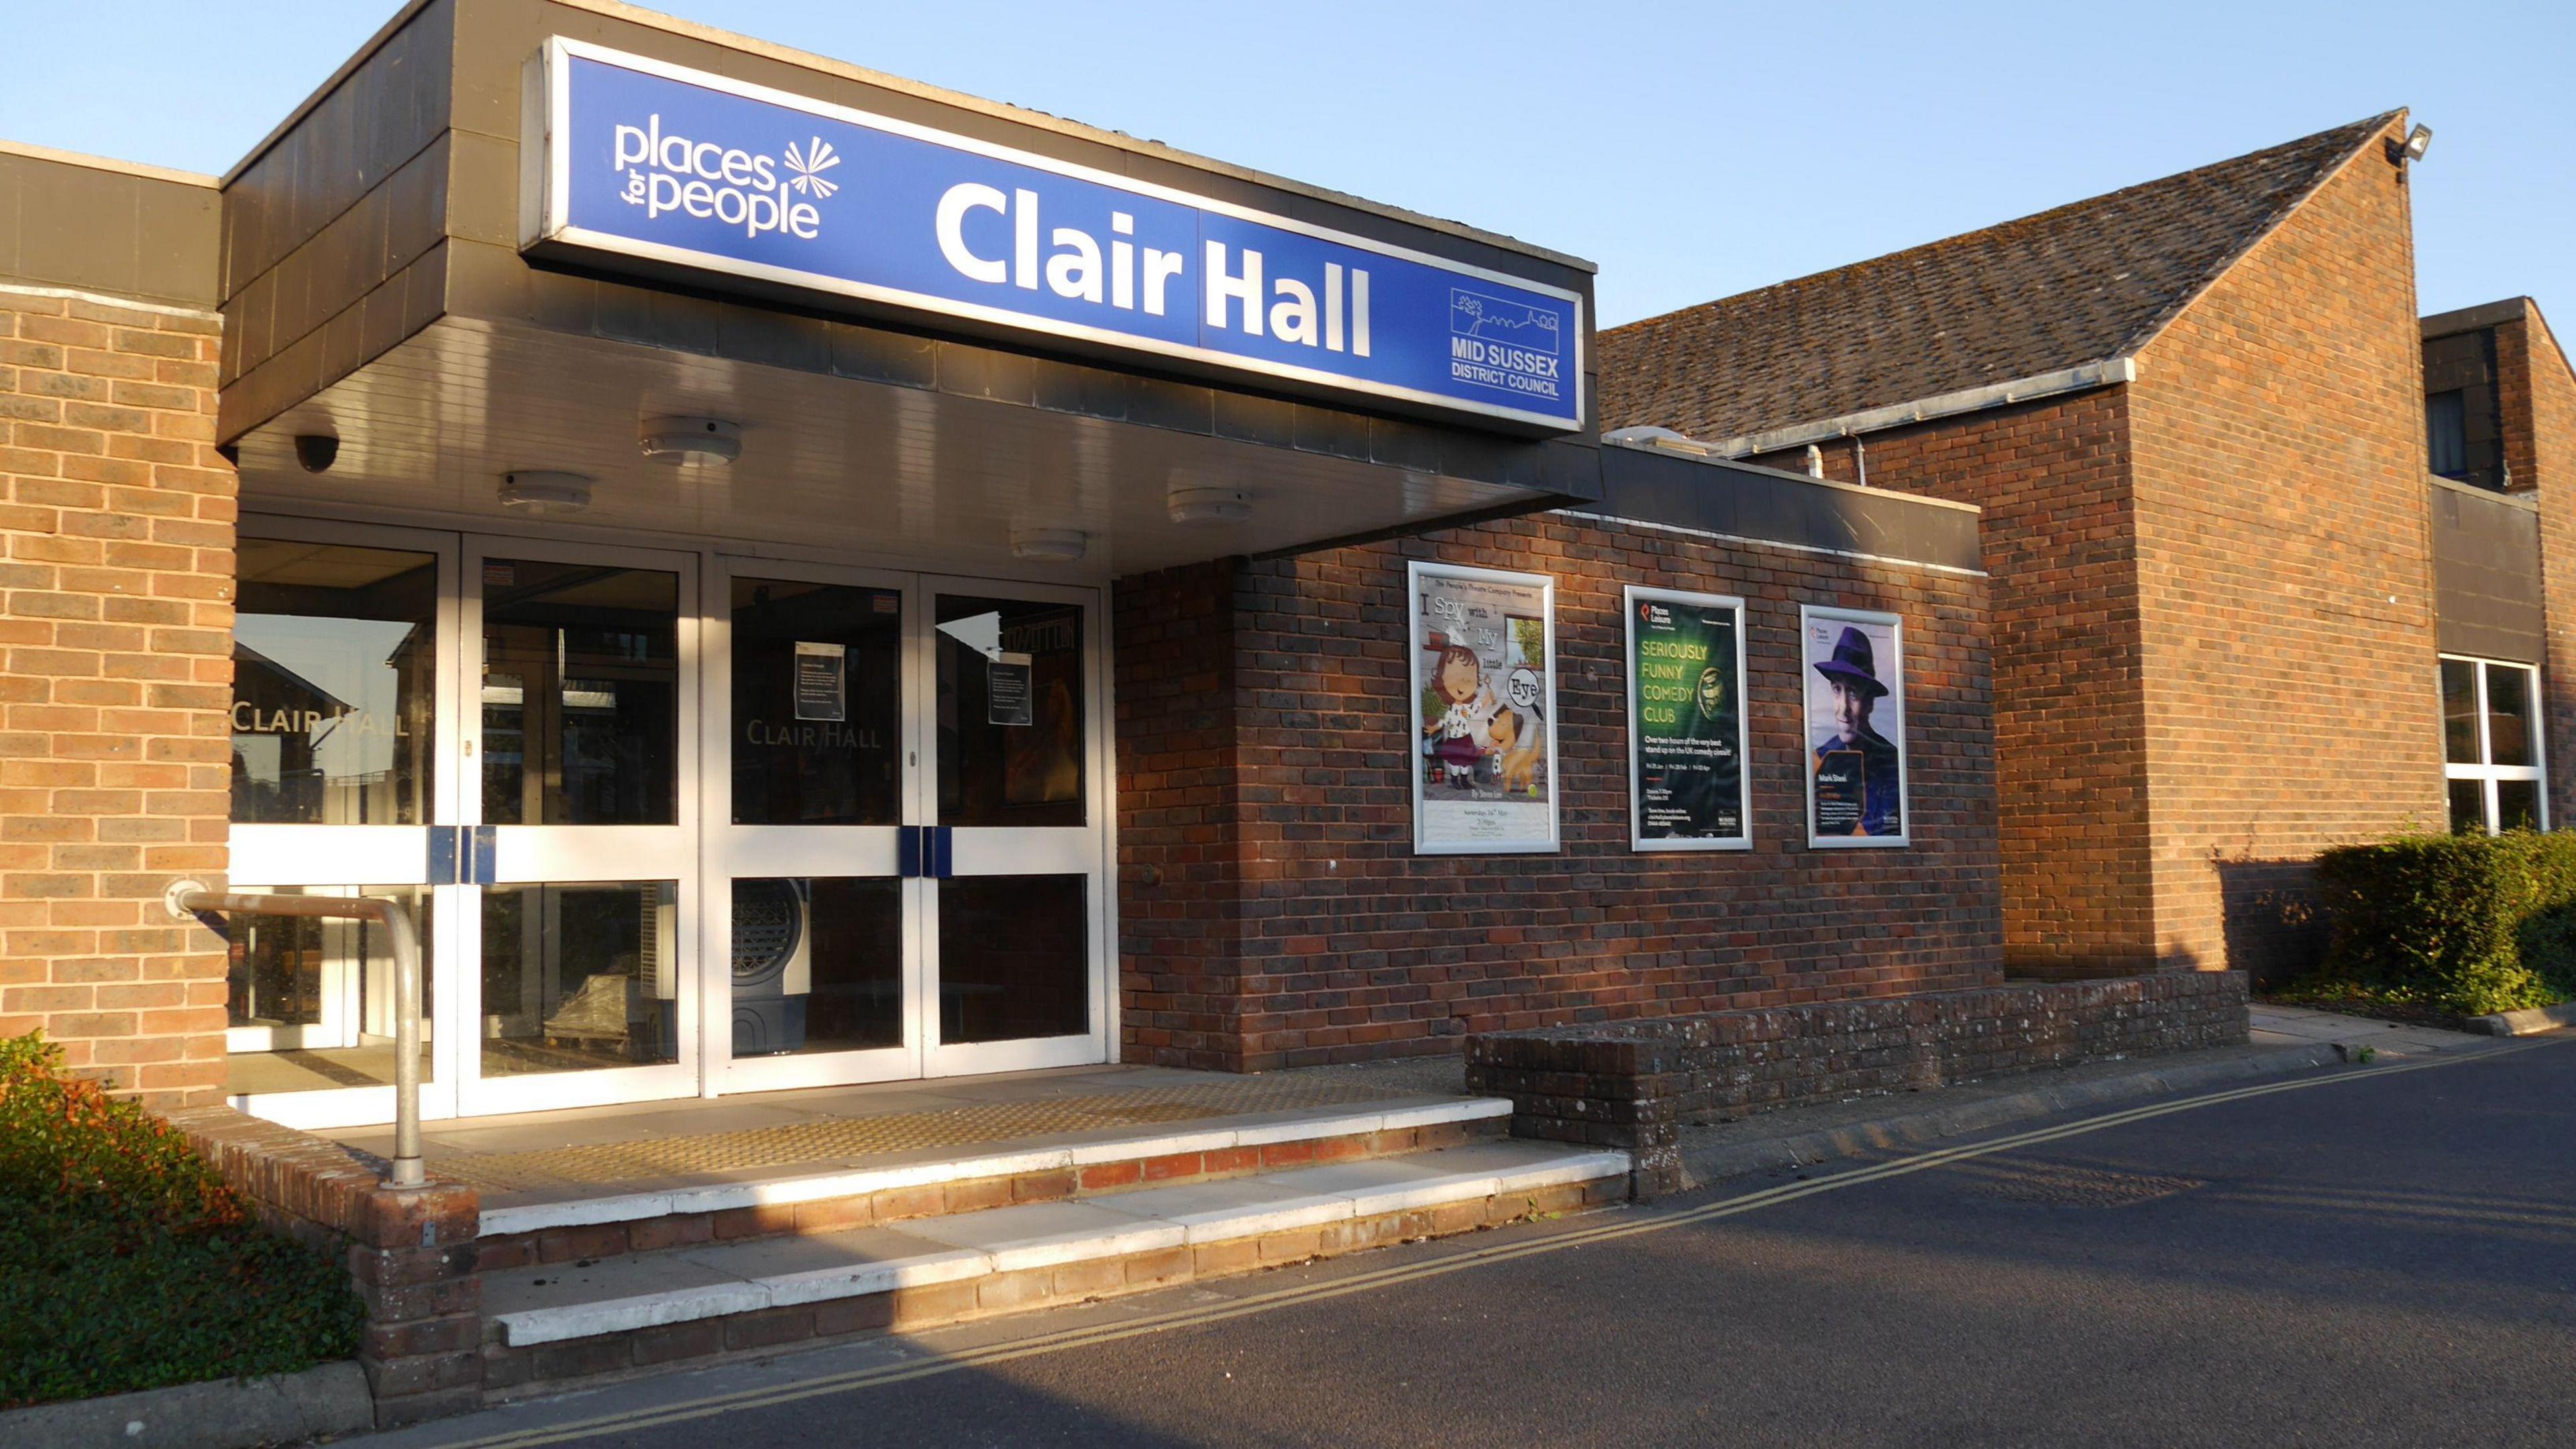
669, 172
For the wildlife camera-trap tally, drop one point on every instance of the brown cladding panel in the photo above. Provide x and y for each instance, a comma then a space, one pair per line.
107, 229
2486, 574
1776, 507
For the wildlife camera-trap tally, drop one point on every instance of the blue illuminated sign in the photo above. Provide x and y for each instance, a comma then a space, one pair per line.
658, 162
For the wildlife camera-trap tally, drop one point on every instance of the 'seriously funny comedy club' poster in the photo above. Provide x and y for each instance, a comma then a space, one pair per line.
1686, 714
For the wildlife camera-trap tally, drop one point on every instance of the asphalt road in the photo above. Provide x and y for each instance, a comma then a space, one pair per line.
2375, 1257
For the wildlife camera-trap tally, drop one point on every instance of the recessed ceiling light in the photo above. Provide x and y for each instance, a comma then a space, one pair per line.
1049, 545
544, 494
677, 440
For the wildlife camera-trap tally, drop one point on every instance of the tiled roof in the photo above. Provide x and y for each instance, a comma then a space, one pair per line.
2084, 283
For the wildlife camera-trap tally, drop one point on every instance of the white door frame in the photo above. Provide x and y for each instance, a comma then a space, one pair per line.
701, 850
342, 859
571, 854
1003, 850
731, 851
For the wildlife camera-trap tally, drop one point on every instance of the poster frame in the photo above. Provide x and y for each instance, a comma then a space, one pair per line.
1629, 597
1415, 571
1895, 623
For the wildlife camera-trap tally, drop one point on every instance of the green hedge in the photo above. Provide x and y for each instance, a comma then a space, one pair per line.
126, 1263
2467, 923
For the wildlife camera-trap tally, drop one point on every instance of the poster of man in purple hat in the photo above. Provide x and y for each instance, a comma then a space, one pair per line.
1855, 681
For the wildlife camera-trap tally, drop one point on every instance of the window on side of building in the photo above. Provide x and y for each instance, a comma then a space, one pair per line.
2446, 434
2491, 745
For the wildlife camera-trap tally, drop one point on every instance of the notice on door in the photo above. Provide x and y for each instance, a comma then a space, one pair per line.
822, 682
1007, 690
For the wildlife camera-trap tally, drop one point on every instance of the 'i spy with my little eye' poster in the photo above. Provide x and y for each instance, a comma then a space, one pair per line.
1853, 665
1686, 780
1483, 646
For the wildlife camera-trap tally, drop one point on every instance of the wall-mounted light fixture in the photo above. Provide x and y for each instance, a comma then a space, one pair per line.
680, 440
1049, 545
1208, 503
544, 494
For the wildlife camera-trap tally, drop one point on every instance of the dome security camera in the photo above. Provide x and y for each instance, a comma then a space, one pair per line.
316, 452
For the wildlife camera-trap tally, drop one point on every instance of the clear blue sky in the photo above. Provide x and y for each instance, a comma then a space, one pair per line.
1691, 150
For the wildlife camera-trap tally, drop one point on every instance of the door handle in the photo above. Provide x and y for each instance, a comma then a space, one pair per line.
925, 852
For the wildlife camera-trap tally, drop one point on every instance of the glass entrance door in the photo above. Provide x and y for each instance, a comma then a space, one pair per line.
672, 823
342, 735
578, 825
810, 776
908, 877
1015, 934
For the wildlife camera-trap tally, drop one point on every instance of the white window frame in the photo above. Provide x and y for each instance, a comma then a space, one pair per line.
2488, 775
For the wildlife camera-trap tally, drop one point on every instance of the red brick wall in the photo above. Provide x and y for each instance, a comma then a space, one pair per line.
1334, 942
1179, 869
2070, 721
2537, 396
116, 537
2285, 561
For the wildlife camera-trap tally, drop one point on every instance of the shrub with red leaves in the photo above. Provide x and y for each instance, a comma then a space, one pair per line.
126, 1262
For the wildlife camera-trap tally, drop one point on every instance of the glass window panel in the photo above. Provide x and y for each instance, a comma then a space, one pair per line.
1014, 957
2446, 438
2468, 807
2460, 712
310, 1001
2517, 804
577, 977
817, 965
817, 695
2508, 716
580, 694
1012, 730
335, 653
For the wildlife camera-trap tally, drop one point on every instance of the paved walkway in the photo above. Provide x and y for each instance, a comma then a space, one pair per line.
555, 1156
2283, 1026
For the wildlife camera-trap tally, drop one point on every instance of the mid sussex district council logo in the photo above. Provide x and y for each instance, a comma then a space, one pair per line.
667, 172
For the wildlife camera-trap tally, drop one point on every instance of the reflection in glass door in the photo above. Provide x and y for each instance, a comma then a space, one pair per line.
1016, 951
813, 777
909, 879
339, 654
584, 951
902, 873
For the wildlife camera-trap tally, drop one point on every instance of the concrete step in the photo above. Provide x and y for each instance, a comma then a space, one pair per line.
550, 1324
931, 1183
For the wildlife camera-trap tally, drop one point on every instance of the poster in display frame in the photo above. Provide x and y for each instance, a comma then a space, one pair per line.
1644, 834
1482, 784
1859, 647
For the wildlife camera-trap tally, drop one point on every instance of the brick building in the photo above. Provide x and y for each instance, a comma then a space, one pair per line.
523, 489
2194, 414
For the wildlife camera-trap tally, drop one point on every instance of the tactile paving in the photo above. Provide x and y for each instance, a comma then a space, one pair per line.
826, 1141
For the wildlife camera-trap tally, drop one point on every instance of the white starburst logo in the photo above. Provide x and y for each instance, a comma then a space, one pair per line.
809, 162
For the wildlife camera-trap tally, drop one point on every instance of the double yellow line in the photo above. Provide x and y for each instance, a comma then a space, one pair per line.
1651, 1222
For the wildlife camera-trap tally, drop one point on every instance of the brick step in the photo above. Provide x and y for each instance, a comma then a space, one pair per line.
792, 1202
552, 1324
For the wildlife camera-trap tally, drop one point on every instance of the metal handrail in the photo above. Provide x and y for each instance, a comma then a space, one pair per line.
190, 899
